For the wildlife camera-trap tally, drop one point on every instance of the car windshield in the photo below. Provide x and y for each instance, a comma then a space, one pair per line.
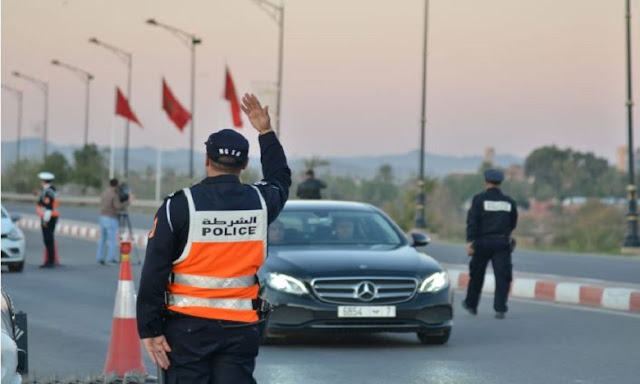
4, 213
318, 227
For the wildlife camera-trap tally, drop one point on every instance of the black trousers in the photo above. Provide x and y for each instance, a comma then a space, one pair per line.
49, 240
499, 252
208, 351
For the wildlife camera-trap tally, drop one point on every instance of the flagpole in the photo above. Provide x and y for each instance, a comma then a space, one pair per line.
191, 40
127, 58
112, 156
158, 172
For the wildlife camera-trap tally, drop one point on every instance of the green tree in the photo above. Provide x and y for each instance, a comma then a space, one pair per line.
57, 164
342, 188
564, 173
462, 187
314, 162
381, 189
90, 167
21, 177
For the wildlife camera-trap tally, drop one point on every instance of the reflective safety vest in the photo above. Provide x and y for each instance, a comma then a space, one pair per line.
46, 196
215, 276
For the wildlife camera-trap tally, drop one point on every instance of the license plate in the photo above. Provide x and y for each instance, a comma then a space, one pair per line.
367, 311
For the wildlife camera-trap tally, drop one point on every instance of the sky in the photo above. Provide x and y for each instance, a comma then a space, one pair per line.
511, 74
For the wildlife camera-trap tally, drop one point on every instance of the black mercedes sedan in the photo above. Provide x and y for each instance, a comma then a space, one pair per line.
336, 266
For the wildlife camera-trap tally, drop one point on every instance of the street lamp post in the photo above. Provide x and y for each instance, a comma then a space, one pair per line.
191, 40
87, 77
18, 94
277, 13
44, 86
631, 240
420, 221
127, 58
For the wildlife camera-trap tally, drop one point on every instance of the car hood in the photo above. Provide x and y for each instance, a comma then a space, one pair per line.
321, 261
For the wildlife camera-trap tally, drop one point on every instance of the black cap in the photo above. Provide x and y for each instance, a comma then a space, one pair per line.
493, 176
228, 143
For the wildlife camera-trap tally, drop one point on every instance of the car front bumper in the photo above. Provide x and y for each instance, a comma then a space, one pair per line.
428, 313
12, 250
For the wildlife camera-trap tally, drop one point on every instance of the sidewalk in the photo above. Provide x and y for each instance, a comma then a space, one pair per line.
552, 288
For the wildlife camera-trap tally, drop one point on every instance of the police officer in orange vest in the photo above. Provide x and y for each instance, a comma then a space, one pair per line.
47, 210
197, 303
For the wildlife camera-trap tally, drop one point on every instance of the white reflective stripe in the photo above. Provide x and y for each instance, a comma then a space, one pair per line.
188, 301
169, 214
125, 307
192, 210
265, 217
214, 282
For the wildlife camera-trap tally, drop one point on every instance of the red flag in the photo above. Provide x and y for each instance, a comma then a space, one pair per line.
175, 111
230, 95
123, 109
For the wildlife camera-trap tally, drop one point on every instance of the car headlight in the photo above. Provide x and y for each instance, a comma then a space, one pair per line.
15, 234
434, 282
285, 283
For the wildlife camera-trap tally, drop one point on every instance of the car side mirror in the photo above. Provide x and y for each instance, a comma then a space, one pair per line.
15, 218
420, 239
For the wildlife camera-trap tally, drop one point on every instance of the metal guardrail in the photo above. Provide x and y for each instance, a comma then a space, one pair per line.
76, 200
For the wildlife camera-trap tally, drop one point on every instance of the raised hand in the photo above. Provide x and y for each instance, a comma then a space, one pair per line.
258, 116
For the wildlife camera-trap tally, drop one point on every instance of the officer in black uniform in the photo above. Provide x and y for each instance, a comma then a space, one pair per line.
47, 209
197, 349
310, 187
490, 220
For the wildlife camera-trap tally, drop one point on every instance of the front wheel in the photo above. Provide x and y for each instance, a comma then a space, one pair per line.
431, 339
16, 267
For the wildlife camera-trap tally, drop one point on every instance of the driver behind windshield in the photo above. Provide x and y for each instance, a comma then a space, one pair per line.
276, 232
344, 229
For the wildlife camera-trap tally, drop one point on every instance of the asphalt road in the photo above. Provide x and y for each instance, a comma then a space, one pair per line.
601, 267
70, 313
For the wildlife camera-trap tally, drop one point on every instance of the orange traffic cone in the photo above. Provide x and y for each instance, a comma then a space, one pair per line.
56, 260
125, 353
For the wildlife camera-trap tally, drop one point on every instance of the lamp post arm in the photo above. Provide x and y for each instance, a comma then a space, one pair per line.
42, 84
123, 55
82, 74
187, 38
274, 11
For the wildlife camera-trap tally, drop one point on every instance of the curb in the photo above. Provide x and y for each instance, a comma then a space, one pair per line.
558, 289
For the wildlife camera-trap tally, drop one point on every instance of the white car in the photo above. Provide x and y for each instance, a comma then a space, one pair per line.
13, 357
13, 244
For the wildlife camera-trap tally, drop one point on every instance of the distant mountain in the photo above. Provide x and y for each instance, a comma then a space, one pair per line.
404, 166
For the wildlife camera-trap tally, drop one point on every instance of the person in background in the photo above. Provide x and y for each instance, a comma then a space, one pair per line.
110, 206
310, 187
47, 210
490, 220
